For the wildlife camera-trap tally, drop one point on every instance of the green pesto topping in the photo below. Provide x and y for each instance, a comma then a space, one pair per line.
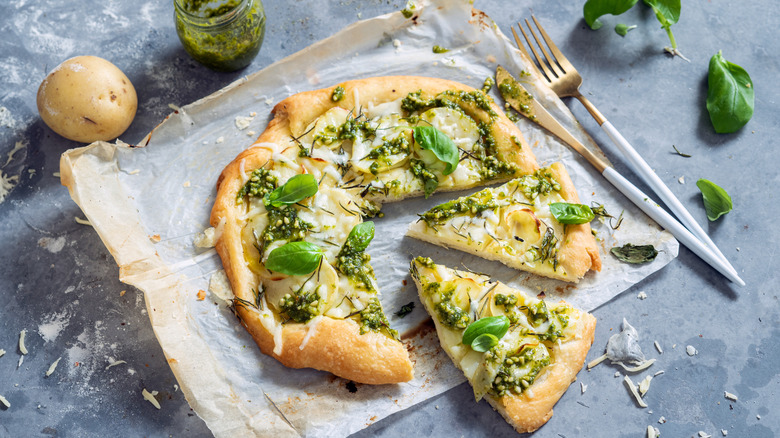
408, 11
467, 205
373, 318
488, 84
381, 154
522, 99
216, 36
338, 94
428, 179
452, 315
518, 370
510, 305
439, 49
353, 262
300, 306
493, 168
260, 182
425, 261
414, 102
283, 224
541, 183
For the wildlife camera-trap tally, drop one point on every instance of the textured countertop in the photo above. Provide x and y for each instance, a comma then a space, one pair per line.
59, 283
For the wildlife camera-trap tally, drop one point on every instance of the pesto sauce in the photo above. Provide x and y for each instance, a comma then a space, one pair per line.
439, 49
467, 205
511, 90
428, 179
373, 318
300, 306
355, 265
449, 314
283, 224
216, 36
540, 183
259, 184
536, 314
505, 381
488, 84
381, 154
338, 94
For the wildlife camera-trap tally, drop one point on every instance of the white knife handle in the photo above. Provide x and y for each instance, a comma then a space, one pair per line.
640, 166
665, 220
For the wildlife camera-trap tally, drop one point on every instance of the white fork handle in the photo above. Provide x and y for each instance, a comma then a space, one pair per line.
665, 220
640, 166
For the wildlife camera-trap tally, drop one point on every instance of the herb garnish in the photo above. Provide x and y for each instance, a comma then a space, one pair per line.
405, 310
677, 151
483, 334
634, 254
730, 96
716, 201
431, 139
296, 189
295, 258
571, 214
622, 29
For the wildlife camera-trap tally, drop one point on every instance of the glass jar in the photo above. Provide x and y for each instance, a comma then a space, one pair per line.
224, 35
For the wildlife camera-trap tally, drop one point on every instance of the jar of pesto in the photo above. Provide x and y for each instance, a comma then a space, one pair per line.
224, 35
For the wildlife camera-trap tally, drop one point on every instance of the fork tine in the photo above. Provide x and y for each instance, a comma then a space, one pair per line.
559, 57
538, 58
522, 49
550, 60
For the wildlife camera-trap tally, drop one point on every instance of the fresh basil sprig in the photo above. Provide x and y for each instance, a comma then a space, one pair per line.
730, 95
716, 201
571, 214
294, 258
481, 333
430, 138
294, 190
634, 254
361, 235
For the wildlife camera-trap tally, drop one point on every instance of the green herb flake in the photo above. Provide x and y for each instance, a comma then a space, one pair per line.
716, 201
260, 183
677, 151
440, 49
408, 11
635, 254
730, 95
405, 310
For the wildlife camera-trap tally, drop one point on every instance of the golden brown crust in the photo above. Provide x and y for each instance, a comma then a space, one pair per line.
526, 413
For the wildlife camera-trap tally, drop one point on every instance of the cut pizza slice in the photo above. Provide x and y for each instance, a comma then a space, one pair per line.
513, 224
517, 351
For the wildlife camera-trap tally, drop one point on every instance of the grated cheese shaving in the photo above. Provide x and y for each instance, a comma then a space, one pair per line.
658, 347
644, 385
658, 373
691, 350
21, 360
724, 432
53, 367
643, 366
115, 363
583, 387
703, 434
662, 420
652, 432
642, 295
632, 388
5, 402
149, 396
597, 361
22, 335
2, 352
730, 396
82, 221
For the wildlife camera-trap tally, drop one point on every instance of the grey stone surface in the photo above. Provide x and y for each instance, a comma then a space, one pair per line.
59, 283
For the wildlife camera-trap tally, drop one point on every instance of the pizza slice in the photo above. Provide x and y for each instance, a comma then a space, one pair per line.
517, 351
514, 224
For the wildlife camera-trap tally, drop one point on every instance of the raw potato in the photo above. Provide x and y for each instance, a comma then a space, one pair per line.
87, 99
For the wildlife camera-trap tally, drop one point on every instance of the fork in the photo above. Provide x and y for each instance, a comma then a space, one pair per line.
565, 81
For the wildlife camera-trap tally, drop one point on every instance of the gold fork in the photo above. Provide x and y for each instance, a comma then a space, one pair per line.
565, 81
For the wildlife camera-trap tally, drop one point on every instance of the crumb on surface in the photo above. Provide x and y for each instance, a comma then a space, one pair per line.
201, 295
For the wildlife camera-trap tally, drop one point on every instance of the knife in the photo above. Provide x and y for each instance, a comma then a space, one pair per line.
523, 102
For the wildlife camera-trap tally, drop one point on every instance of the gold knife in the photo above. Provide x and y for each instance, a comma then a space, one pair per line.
521, 100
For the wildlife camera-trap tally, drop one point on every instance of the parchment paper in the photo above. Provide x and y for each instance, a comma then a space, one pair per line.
147, 204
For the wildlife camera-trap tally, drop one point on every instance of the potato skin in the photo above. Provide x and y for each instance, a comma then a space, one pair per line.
87, 99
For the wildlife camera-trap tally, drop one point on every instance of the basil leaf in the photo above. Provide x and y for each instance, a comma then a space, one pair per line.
430, 138
634, 254
716, 201
295, 189
361, 235
494, 325
484, 342
666, 11
594, 9
622, 29
730, 95
572, 214
294, 258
